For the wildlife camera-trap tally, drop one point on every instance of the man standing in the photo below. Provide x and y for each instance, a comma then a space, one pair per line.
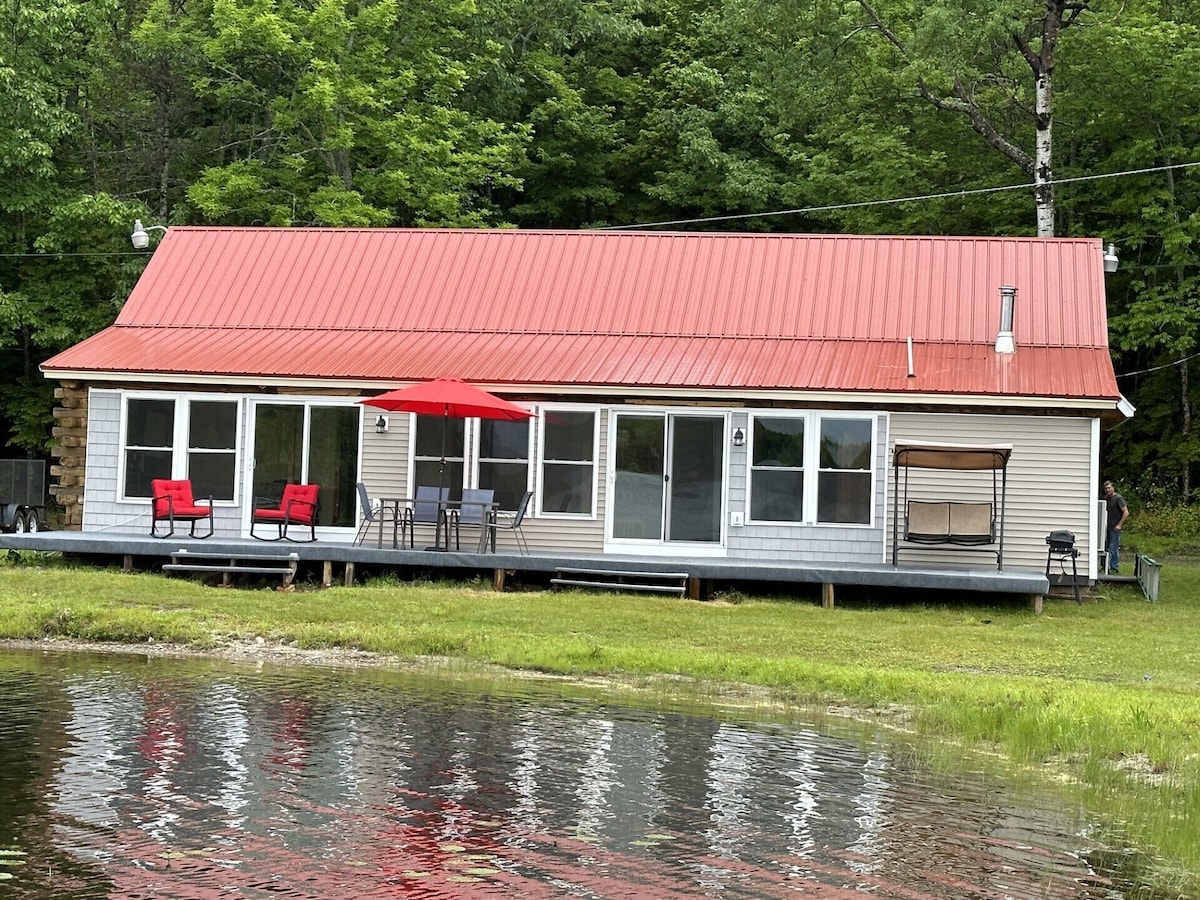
1118, 512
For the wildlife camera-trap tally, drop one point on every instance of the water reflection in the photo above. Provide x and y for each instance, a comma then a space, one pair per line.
133, 778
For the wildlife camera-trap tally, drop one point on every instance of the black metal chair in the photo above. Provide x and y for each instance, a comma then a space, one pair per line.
376, 515
511, 521
428, 508
473, 511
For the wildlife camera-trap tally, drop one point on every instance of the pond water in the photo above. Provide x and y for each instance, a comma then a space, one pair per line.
127, 776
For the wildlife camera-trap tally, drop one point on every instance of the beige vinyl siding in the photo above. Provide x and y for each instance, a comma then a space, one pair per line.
560, 534
1049, 483
385, 460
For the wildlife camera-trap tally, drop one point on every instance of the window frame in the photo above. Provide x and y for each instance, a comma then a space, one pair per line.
869, 472
543, 413
475, 435
812, 469
751, 468
180, 448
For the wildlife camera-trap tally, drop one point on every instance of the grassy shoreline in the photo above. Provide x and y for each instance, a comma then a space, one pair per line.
1105, 695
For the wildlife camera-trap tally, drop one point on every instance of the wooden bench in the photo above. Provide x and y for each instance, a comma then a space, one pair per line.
949, 522
227, 565
622, 580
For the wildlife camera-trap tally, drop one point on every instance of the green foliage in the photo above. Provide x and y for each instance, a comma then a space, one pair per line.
553, 113
344, 114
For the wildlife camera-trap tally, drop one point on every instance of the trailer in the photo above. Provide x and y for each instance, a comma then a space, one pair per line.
22, 495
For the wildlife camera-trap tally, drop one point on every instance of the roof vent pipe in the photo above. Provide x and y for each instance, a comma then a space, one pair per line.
1004, 337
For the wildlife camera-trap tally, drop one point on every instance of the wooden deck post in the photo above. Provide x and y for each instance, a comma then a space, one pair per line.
827, 596
327, 573
1036, 600
349, 574
498, 580
127, 563
693, 587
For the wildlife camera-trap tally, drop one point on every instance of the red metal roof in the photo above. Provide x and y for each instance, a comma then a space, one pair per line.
614, 309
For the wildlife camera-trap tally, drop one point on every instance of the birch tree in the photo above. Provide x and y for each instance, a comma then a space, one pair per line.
957, 51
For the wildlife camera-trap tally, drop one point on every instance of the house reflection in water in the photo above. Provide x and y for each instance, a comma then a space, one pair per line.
207, 780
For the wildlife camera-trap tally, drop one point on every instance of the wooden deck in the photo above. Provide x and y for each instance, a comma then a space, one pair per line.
328, 562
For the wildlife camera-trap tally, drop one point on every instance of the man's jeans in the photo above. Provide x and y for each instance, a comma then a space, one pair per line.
1113, 543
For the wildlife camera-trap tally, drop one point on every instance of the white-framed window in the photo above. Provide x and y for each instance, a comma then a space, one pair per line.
570, 446
777, 468
503, 460
176, 436
438, 453
845, 478
811, 467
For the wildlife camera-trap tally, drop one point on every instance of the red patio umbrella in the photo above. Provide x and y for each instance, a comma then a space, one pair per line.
450, 398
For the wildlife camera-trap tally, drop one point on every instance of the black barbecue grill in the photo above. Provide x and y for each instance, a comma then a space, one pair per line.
1062, 547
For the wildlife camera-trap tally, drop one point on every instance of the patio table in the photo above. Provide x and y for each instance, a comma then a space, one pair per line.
448, 519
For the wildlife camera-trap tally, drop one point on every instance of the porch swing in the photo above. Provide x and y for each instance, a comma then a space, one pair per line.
950, 524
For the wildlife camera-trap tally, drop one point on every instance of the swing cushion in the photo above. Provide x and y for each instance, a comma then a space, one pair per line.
948, 522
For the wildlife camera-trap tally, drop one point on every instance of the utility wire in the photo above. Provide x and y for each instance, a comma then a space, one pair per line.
59, 254
1178, 362
898, 200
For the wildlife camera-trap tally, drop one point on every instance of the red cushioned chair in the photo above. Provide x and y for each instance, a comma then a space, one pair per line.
297, 506
172, 501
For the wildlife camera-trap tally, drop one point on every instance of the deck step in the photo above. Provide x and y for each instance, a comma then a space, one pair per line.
247, 570
228, 564
622, 580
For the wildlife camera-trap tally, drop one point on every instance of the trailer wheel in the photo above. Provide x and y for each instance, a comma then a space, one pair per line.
33, 523
19, 525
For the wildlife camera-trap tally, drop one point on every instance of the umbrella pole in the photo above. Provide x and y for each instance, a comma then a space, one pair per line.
441, 513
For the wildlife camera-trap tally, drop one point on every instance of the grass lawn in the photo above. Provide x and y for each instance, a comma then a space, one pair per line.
1106, 694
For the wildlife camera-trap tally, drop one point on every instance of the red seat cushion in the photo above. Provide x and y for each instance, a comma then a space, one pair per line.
298, 504
175, 498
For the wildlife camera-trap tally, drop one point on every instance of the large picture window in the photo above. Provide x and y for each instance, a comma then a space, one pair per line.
568, 461
811, 468
180, 437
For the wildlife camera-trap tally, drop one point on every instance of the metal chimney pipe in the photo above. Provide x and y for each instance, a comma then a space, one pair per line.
1004, 337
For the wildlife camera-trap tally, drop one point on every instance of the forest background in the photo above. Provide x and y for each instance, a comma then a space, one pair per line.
763, 115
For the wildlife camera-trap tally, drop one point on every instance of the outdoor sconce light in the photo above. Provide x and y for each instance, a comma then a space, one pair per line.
1110, 259
141, 235
381, 425
739, 437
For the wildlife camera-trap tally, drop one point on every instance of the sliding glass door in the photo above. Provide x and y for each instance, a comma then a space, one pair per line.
667, 478
307, 443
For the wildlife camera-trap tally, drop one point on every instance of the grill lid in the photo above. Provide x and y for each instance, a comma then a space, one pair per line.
1061, 540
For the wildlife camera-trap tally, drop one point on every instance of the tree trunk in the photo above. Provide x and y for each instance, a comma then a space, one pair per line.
1185, 430
1043, 165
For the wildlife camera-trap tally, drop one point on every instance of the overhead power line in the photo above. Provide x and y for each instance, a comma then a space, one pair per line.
894, 201
1178, 362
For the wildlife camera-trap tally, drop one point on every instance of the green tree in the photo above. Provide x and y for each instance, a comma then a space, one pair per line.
992, 63
568, 71
347, 113
1144, 113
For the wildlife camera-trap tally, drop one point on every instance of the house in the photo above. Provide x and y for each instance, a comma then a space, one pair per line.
696, 394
